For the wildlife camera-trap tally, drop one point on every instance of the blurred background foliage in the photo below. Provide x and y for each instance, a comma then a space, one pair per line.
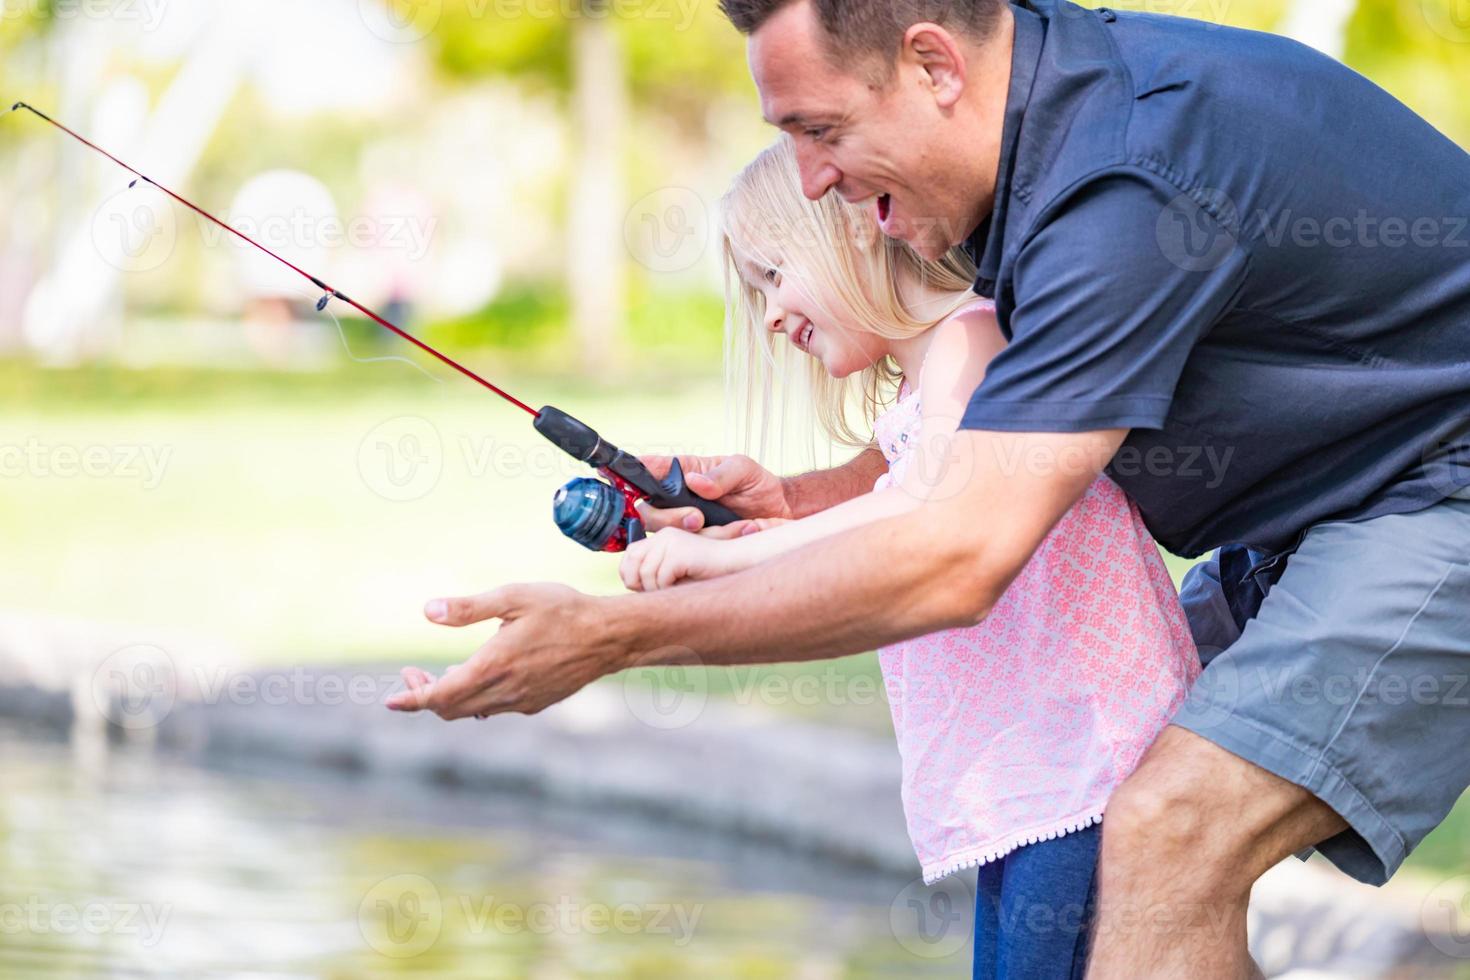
531, 132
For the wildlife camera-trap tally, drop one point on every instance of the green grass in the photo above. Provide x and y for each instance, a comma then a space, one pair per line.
1447, 849
275, 524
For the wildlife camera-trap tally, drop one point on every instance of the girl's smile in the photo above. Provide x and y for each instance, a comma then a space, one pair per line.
802, 337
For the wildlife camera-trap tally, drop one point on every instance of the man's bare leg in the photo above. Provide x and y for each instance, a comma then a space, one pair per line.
1184, 840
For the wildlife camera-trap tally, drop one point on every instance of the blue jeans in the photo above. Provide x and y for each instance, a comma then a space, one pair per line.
1033, 908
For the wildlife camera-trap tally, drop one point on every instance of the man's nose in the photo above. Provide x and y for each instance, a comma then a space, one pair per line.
818, 176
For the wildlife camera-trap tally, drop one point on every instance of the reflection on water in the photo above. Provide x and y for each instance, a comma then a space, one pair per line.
124, 863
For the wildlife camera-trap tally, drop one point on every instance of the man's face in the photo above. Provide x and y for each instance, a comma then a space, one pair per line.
893, 146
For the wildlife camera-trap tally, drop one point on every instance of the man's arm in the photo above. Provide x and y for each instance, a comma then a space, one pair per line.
944, 564
941, 565
750, 490
811, 493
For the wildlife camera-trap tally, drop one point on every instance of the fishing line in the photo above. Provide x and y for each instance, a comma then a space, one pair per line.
347, 348
329, 293
302, 294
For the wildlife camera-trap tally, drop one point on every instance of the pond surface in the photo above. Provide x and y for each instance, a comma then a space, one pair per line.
120, 862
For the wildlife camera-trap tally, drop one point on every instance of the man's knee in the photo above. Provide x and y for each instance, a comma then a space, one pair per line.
1161, 814
1194, 807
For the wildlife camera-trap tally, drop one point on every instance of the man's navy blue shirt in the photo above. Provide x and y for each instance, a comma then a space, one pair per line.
1246, 253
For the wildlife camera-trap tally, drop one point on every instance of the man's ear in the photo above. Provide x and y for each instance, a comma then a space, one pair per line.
936, 53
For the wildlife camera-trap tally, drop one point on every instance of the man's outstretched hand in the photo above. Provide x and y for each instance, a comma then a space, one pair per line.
738, 482
546, 650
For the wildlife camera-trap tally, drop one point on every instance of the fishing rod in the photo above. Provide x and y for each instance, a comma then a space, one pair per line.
599, 514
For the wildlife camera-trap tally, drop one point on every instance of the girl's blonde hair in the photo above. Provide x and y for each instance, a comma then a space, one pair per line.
837, 255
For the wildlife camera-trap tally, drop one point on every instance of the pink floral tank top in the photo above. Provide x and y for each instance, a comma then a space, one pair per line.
1019, 729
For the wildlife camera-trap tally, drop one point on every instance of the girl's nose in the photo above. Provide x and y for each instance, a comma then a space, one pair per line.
775, 318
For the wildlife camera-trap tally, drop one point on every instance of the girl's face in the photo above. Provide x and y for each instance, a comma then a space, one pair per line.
842, 345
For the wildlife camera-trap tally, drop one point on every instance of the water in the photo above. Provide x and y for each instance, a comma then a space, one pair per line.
125, 863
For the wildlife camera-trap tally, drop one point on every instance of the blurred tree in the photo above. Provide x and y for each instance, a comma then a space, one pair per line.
72, 310
671, 57
1319, 23
595, 210
1419, 50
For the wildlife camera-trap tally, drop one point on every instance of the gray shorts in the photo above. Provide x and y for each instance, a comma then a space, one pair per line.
1353, 678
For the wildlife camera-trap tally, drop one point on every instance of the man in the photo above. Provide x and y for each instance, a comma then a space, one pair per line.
1232, 272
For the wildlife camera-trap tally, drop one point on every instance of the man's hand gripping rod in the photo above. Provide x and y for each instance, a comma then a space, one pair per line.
604, 517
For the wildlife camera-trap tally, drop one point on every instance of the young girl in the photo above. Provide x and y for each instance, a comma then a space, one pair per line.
1013, 733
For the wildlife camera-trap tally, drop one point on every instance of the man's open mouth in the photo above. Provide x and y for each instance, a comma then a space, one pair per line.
885, 205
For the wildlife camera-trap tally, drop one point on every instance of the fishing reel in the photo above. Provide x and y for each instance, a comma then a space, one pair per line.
602, 514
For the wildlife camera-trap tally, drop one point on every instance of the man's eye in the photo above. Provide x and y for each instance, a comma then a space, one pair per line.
817, 134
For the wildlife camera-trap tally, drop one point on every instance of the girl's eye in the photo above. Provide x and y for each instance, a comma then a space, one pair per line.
771, 275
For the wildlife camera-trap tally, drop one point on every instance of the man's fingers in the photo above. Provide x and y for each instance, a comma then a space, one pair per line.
710, 486
654, 519
657, 465
451, 694
740, 529
414, 696
416, 678
495, 604
727, 531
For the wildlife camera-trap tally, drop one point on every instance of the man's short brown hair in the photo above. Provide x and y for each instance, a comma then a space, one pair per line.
869, 30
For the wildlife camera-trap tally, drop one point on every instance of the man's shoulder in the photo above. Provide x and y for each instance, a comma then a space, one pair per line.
1159, 49
1214, 112
1135, 86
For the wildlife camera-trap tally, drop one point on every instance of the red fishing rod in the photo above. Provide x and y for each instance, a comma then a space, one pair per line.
599, 515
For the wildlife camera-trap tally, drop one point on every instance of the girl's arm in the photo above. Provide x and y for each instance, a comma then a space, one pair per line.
954, 367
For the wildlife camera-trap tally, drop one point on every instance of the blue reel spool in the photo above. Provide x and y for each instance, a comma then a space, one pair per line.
590, 512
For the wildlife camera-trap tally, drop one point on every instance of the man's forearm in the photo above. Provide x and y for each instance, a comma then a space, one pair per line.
812, 492
873, 585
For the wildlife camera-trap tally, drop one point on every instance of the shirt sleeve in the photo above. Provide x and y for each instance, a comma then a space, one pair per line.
1111, 294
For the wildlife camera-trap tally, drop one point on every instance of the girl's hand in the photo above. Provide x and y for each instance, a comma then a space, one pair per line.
672, 556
